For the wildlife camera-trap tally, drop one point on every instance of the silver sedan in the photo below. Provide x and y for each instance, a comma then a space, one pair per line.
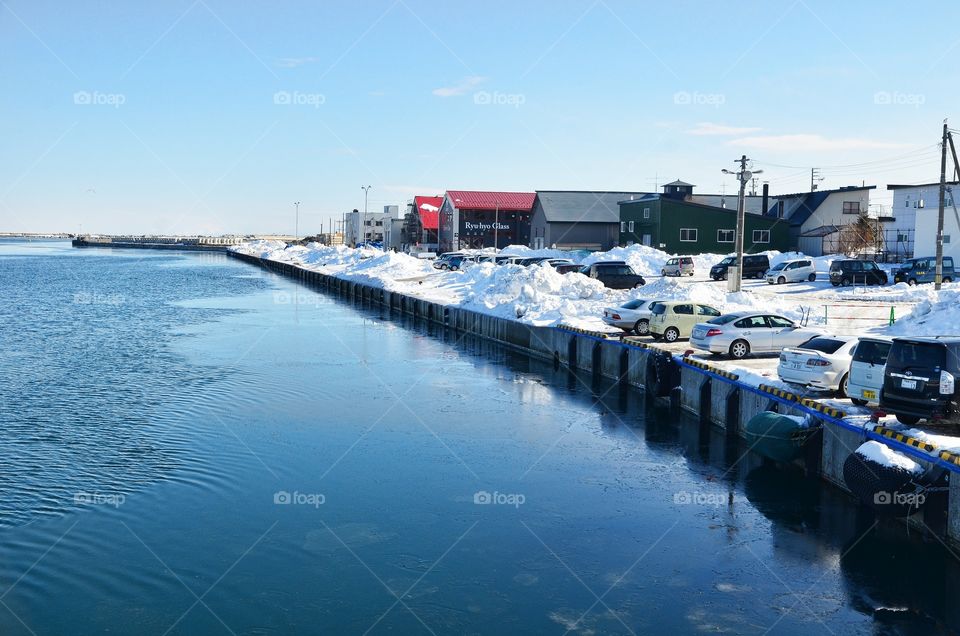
633, 315
740, 334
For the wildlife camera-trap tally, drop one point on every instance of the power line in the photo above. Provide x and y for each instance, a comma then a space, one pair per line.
852, 165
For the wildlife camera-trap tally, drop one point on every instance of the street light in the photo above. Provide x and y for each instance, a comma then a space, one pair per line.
296, 229
366, 192
744, 177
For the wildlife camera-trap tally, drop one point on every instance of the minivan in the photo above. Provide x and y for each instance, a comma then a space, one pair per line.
614, 274
848, 271
794, 271
678, 266
865, 379
675, 319
923, 270
919, 381
754, 266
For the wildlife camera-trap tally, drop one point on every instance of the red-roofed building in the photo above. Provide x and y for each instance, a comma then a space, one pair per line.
421, 223
474, 219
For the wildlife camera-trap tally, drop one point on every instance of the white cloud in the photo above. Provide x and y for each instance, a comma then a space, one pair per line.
460, 88
709, 128
294, 62
804, 142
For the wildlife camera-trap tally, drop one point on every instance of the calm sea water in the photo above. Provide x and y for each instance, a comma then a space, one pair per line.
191, 445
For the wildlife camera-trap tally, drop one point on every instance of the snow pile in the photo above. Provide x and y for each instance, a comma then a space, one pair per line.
885, 456
936, 314
263, 249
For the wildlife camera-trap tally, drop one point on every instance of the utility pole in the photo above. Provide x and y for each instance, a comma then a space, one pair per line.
743, 176
815, 178
496, 223
753, 187
938, 278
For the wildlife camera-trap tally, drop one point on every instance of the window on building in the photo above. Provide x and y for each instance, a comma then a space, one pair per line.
851, 207
688, 234
630, 226
726, 236
761, 236
646, 213
623, 226
946, 238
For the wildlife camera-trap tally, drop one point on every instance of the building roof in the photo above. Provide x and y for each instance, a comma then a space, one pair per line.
900, 186
820, 232
479, 200
428, 208
567, 206
810, 201
679, 183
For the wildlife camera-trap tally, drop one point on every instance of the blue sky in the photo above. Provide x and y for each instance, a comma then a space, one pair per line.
215, 116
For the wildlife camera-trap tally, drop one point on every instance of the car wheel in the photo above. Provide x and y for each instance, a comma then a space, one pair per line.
812, 277
842, 387
912, 282
663, 273
858, 402
739, 349
835, 284
672, 334
844, 282
909, 420
443, 266
947, 279
781, 280
454, 268
726, 276
642, 327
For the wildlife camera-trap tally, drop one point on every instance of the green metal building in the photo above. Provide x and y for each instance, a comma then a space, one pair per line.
682, 227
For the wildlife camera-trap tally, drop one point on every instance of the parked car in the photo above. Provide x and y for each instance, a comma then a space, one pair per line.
849, 271
566, 268
754, 266
821, 363
923, 270
557, 262
614, 274
793, 271
443, 260
533, 260
678, 266
866, 369
675, 320
455, 263
742, 333
633, 315
919, 381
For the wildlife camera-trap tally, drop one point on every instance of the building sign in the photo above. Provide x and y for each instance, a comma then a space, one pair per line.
481, 226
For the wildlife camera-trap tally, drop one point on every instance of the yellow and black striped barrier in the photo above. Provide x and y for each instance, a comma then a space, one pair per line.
950, 457
910, 441
633, 341
822, 408
693, 362
585, 332
780, 393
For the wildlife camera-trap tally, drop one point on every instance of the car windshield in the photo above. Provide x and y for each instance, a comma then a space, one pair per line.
633, 304
778, 267
824, 345
722, 320
871, 352
730, 260
914, 355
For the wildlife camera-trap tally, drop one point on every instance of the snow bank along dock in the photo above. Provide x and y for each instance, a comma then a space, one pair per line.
715, 396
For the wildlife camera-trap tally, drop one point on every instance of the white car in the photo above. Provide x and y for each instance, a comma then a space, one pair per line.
867, 369
633, 315
821, 363
795, 271
742, 333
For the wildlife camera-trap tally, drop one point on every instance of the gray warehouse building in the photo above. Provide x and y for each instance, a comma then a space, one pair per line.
568, 219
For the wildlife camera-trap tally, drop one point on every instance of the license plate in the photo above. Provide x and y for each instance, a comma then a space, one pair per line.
908, 384
796, 366
869, 395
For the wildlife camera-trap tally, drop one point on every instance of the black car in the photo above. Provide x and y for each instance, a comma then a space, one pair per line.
614, 274
850, 271
754, 266
919, 381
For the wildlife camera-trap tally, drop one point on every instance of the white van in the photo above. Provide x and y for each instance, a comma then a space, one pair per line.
866, 369
795, 271
678, 266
